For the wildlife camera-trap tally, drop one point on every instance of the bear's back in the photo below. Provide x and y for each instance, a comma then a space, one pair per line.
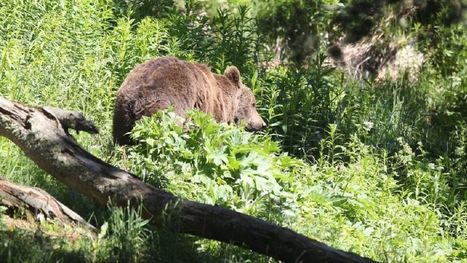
144, 73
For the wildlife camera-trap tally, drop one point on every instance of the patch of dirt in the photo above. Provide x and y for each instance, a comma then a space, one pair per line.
407, 60
375, 58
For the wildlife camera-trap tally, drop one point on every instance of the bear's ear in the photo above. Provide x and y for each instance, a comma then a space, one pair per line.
232, 73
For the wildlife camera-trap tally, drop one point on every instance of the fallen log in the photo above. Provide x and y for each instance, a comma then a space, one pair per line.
42, 134
38, 202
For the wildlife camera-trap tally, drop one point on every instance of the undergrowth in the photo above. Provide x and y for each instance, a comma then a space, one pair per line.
248, 173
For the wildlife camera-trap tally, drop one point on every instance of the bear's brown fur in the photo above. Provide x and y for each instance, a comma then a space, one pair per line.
163, 82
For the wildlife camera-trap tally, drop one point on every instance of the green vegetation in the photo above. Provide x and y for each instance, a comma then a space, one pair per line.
376, 167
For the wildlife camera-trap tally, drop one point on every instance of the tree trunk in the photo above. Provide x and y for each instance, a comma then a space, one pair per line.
40, 203
42, 134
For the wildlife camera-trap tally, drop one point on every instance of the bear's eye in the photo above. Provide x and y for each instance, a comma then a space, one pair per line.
253, 104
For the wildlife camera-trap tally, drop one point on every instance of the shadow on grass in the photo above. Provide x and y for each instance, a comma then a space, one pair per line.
19, 245
35, 246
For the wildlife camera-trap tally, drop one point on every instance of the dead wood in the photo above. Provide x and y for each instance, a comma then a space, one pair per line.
39, 202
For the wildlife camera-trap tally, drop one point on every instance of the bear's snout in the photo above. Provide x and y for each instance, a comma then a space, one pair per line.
257, 125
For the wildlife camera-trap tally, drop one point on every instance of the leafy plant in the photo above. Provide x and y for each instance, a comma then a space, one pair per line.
212, 163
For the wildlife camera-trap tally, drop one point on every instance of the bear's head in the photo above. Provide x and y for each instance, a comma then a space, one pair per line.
246, 108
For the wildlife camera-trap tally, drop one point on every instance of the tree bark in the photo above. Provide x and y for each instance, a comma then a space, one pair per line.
42, 204
41, 132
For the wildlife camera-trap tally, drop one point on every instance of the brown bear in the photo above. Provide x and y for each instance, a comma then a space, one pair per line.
163, 82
